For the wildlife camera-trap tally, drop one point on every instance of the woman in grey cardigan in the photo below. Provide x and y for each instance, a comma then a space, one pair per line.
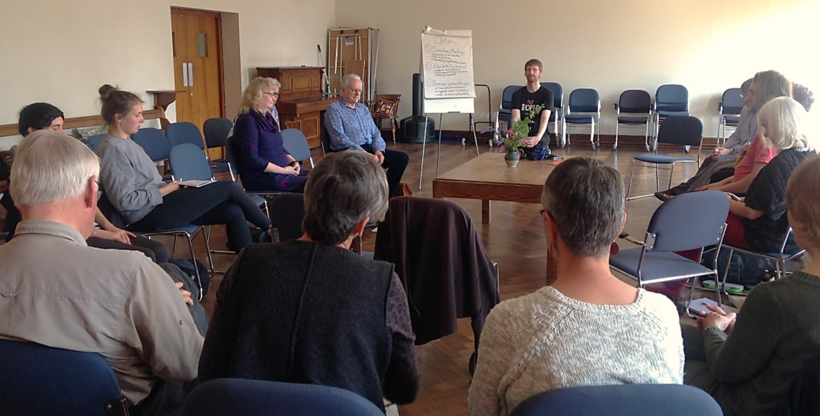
134, 187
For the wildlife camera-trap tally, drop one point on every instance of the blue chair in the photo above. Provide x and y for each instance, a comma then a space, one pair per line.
296, 144
670, 100
677, 130
690, 221
216, 131
637, 108
228, 396
154, 142
95, 140
729, 108
779, 258
505, 110
42, 381
621, 400
185, 132
557, 114
584, 109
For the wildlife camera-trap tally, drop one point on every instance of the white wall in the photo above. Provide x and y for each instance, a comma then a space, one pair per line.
706, 45
62, 51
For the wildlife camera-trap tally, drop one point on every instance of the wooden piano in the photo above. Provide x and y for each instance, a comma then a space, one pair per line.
301, 104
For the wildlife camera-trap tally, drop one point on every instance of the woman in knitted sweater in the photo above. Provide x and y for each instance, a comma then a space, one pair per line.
746, 361
588, 327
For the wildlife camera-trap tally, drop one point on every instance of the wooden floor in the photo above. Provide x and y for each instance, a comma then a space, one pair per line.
514, 239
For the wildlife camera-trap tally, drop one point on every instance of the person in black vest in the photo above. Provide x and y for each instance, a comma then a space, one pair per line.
524, 101
312, 311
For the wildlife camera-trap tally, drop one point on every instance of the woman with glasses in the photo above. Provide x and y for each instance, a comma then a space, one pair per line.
263, 162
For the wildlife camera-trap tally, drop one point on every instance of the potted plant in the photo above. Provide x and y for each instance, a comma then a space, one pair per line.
516, 135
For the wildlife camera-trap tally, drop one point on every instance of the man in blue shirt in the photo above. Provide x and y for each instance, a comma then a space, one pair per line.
351, 127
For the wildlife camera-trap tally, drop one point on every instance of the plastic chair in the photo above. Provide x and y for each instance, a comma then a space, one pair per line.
185, 132
95, 140
557, 114
679, 130
621, 400
779, 258
216, 131
686, 222
729, 108
505, 110
42, 381
670, 100
296, 144
584, 109
233, 396
290, 211
638, 105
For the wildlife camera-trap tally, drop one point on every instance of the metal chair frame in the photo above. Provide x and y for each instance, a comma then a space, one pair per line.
666, 106
590, 114
779, 258
638, 114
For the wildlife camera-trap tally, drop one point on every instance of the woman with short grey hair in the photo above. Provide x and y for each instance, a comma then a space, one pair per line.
588, 327
311, 310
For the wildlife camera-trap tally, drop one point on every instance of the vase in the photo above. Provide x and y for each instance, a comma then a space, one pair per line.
512, 158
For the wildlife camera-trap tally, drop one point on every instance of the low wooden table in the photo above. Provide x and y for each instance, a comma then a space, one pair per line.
488, 178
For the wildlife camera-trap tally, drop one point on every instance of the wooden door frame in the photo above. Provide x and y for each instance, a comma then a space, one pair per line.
219, 52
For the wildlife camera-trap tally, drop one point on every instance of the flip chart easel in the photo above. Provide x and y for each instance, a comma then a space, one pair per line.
447, 80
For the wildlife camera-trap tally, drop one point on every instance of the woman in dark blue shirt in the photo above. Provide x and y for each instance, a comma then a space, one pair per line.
264, 163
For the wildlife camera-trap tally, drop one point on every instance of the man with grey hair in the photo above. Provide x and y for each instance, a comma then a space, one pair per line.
61, 293
351, 126
588, 327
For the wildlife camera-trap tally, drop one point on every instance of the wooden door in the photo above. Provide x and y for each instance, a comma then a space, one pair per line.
197, 65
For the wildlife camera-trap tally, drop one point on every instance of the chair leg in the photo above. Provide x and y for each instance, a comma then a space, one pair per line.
631, 175
174, 251
193, 261
615, 146
671, 172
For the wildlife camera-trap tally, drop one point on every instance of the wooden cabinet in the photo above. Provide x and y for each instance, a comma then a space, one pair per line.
301, 104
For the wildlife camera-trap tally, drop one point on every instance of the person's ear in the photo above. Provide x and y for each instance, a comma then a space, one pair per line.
359, 228
90, 194
623, 224
31, 130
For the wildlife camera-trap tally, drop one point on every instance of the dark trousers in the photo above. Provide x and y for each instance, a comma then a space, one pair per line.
221, 202
155, 250
395, 162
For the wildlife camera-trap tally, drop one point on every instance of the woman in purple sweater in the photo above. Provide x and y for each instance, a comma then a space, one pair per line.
263, 162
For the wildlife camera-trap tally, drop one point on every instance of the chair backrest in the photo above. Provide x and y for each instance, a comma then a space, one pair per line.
557, 93
154, 142
635, 101
326, 139
228, 396
506, 96
296, 144
681, 130
688, 221
39, 380
621, 399
731, 102
216, 131
672, 97
230, 153
584, 100
184, 132
95, 140
290, 211
189, 163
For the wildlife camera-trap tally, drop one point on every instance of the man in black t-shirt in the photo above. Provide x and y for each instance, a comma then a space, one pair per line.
536, 147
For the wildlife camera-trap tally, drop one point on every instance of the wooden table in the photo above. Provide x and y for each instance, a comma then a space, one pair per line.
488, 178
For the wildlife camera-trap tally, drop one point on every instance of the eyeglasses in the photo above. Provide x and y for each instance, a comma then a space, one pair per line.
272, 94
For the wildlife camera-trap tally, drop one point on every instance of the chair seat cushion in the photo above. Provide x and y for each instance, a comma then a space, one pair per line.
657, 266
665, 113
580, 118
633, 120
732, 120
661, 159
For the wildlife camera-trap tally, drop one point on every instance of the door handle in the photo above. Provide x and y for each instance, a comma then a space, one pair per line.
184, 75
190, 74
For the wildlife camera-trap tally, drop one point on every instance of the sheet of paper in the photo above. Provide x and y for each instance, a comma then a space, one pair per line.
447, 62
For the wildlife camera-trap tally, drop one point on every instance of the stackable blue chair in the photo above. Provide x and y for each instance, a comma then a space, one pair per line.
296, 144
42, 381
234, 396
690, 221
557, 114
670, 100
636, 106
95, 140
729, 108
679, 130
584, 109
185, 132
621, 400
505, 110
154, 142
